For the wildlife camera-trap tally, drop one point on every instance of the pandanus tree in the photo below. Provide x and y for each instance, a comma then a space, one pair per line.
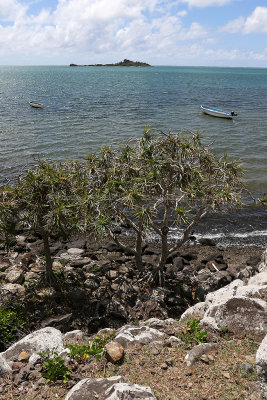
49, 199
159, 181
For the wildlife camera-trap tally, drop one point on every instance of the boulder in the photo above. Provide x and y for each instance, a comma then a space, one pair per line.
4, 366
223, 294
197, 351
240, 315
75, 251
253, 291
196, 311
263, 264
60, 322
11, 292
261, 366
159, 324
129, 335
73, 337
42, 340
150, 308
258, 279
25, 259
15, 276
123, 391
91, 387
4, 264
114, 352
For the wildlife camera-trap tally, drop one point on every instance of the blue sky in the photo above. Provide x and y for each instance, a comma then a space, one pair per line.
160, 32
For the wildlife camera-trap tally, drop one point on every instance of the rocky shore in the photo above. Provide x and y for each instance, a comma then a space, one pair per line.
101, 289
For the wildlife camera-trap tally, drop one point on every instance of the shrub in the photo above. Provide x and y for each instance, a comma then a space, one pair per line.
94, 348
54, 367
155, 182
10, 321
193, 333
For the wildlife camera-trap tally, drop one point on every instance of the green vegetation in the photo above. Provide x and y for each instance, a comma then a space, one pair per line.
193, 333
50, 199
158, 181
94, 348
54, 367
129, 63
149, 184
263, 200
10, 321
124, 63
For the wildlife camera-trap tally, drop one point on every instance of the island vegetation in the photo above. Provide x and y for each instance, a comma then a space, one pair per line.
124, 63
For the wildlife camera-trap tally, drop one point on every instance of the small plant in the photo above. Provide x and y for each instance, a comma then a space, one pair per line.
223, 331
193, 333
54, 366
10, 321
94, 348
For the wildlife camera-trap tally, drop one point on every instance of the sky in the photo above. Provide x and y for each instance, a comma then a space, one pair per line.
159, 32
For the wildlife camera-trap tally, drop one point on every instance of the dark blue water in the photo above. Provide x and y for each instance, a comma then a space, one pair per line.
86, 107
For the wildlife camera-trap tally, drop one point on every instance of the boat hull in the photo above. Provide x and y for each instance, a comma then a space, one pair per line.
35, 105
216, 112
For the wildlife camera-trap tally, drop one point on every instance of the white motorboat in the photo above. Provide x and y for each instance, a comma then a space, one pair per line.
35, 104
216, 112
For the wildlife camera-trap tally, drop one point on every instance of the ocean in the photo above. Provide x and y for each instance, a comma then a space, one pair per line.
87, 107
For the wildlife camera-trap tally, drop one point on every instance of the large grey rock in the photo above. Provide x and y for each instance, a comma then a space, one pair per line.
42, 340
127, 391
261, 366
196, 311
193, 355
72, 337
263, 264
223, 294
75, 251
143, 335
159, 324
11, 292
259, 279
4, 366
15, 276
240, 315
252, 291
151, 308
60, 322
89, 388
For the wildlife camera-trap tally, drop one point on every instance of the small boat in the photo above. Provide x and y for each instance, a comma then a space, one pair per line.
216, 112
35, 104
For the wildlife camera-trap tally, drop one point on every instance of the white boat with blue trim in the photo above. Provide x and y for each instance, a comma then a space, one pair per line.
34, 104
216, 112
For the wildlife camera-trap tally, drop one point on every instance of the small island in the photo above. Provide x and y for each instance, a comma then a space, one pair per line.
124, 63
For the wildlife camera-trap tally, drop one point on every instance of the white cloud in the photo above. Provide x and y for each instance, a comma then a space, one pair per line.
11, 9
234, 26
206, 3
107, 31
257, 21
97, 26
254, 23
182, 13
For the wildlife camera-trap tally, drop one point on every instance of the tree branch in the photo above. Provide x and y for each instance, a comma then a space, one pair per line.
200, 214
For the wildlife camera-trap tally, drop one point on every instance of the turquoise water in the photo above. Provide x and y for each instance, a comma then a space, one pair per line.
87, 107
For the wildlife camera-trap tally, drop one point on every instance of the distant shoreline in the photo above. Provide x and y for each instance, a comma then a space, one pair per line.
124, 63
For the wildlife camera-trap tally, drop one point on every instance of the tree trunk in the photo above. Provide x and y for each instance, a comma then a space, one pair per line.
50, 276
164, 246
138, 248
